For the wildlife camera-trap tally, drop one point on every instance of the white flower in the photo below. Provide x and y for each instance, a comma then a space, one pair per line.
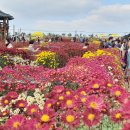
116, 80
109, 68
30, 100
22, 96
14, 112
40, 106
37, 90
36, 95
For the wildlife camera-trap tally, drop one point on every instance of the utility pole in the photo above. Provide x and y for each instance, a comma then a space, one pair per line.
13, 29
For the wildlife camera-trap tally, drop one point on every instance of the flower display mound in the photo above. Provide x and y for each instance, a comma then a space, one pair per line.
22, 78
48, 59
24, 54
65, 50
77, 73
110, 58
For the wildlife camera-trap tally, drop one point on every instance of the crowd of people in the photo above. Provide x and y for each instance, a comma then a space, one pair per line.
123, 45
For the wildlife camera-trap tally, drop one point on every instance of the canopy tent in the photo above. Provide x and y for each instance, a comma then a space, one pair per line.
101, 35
114, 35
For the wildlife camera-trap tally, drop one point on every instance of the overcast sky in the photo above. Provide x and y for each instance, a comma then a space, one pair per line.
69, 15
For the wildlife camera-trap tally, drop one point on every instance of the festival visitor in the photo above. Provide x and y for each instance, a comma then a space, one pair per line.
31, 47
8, 43
128, 58
124, 48
117, 43
108, 44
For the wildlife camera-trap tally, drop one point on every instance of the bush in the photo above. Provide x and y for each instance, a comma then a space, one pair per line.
65, 51
3, 61
48, 59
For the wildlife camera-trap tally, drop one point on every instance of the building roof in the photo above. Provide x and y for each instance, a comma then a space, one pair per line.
4, 15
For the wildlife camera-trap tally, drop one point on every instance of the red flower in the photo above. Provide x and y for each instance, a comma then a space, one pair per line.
126, 110
109, 85
61, 97
46, 116
32, 109
117, 115
58, 89
33, 124
69, 102
4, 113
83, 99
71, 118
95, 102
5, 101
15, 122
12, 95
21, 104
96, 84
49, 103
119, 93
69, 92
91, 117
82, 92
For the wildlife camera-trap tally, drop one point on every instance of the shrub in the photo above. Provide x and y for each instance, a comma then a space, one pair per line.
48, 59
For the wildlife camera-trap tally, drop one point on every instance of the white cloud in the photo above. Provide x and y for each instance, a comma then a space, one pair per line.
33, 9
115, 18
68, 15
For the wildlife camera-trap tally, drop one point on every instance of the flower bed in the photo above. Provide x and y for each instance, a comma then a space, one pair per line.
87, 93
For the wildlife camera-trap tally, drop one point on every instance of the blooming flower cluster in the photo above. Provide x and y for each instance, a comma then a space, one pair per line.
48, 59
90, 54
65, 108
35, 35
88, 92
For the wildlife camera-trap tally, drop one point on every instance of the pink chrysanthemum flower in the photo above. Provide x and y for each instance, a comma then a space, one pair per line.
46, 116
4, 113
71, 118
32, 109
126, 110
126, 126
68, 92
91, 117
5, 101
81, 92
60, 97
119, 93
15, 122
33, 124
21, 104
83, 99
95, 102
117, 115
49, 104
12, 95
69, 102
58, 89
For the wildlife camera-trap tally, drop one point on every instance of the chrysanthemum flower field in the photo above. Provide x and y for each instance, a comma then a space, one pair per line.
63, 87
